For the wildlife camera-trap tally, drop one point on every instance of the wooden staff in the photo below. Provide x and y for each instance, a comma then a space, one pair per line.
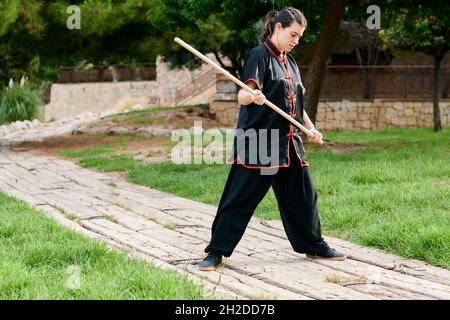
243, 86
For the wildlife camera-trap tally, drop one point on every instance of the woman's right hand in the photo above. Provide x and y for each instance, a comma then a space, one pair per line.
259, 98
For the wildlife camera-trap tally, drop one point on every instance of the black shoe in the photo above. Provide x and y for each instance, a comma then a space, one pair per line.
330, 254
210, 262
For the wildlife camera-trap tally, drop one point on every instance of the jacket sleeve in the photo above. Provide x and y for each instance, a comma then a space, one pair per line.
254, 69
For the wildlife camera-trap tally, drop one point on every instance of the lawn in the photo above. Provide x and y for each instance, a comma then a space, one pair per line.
40, 259
392, 192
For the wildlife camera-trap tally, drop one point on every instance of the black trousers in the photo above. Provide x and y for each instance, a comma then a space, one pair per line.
297, 202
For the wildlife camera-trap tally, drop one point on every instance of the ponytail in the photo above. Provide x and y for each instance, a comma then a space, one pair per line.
269, 23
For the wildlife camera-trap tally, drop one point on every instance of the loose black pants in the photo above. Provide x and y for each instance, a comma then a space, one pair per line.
297, 202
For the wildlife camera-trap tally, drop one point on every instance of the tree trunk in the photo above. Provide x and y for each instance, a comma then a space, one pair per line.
446, 80
368, 86
371, 74
322, 52
436, 112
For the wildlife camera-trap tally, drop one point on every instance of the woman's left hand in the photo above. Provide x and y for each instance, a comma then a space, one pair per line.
317, 136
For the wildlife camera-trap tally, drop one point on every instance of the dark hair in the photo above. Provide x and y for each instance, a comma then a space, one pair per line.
285, 16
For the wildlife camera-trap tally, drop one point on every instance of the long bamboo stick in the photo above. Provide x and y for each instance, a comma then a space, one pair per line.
243, 86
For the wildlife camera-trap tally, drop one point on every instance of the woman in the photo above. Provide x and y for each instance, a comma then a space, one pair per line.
280, 161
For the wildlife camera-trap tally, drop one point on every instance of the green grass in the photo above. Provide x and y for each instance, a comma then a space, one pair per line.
89, 152
100, 157
40, 259
391, 136
111, 163
110, 217
392, 194
148, 116
163, 108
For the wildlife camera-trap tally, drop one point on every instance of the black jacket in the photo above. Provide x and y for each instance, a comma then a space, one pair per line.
262, 135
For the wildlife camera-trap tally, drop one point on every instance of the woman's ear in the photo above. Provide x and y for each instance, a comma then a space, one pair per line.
278, 27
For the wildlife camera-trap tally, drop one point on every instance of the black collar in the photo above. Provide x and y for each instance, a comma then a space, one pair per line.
274, 50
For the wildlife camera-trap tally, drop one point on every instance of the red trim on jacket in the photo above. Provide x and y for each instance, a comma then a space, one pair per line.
281, 57
292, 110
253, 80
273, 43
302, 164
271, 167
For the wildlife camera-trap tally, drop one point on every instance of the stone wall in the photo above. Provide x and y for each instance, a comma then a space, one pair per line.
68, 100
378, 114
226, 108
352, 115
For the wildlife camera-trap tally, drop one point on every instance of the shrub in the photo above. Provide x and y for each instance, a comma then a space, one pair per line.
19, 102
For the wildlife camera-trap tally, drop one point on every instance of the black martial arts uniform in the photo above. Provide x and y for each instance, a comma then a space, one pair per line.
282, 166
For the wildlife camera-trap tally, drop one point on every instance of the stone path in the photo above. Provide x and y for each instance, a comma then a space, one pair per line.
20, 132
171, 232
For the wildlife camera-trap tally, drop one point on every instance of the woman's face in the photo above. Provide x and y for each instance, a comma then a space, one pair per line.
287, 38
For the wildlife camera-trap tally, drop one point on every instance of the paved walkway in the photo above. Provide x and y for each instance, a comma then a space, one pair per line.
46, 130
171, 232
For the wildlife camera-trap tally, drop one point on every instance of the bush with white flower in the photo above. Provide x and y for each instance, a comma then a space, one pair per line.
19, 102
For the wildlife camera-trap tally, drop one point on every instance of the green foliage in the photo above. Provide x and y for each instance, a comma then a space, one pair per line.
35, 40
228, 28
112, 32
19, 102
9, 11
21, 29
425, 31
